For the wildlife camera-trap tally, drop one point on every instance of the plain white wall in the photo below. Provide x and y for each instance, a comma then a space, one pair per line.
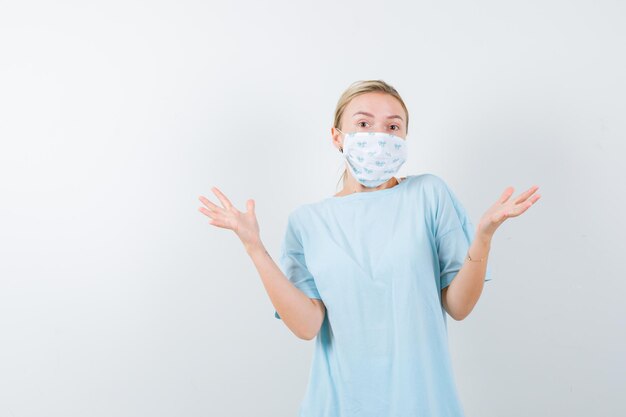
118, 298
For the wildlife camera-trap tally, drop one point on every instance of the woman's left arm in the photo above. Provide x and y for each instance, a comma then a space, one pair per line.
460, 297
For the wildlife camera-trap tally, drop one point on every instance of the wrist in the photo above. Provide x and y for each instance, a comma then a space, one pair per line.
483, 239
479, 250
254, 247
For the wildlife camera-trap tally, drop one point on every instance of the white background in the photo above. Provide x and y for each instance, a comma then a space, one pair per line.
118, 298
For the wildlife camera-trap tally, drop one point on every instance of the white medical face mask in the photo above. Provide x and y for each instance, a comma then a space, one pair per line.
373, 157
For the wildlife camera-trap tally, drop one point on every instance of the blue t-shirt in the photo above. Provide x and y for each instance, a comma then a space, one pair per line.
379, 260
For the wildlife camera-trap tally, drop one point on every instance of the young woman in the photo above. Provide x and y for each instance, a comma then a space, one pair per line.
372, 271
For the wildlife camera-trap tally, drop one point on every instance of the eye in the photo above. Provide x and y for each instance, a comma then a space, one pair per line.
398, 127
361, 122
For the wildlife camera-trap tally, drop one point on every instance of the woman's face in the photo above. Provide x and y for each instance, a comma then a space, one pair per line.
372, 112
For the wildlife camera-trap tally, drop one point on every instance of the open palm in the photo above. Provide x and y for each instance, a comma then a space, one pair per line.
244, 224
505, 208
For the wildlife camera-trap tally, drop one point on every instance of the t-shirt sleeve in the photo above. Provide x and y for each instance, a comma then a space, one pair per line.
292, 261
454, 233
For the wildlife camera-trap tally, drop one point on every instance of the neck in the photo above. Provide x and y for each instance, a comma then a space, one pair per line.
350, 185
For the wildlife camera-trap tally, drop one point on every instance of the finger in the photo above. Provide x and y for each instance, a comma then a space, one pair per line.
532, 200
522, 197
522, 207
506, 194
212, 206
209, 213
225, 201
218, 223
216, 220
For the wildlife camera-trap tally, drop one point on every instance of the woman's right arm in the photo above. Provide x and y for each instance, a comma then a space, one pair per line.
302, 315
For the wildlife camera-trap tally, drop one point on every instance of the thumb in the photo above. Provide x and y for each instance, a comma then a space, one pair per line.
250, 205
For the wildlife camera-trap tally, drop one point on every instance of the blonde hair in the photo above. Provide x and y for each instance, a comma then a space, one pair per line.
361, 87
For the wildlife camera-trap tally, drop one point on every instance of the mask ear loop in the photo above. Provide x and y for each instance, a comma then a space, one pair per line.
340, 148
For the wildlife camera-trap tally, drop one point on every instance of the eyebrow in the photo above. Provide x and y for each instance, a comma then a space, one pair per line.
395, 116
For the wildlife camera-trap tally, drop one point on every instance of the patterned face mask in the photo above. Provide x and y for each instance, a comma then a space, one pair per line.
373, 157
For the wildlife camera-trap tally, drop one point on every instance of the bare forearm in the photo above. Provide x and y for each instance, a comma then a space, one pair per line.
465, 289
296, 309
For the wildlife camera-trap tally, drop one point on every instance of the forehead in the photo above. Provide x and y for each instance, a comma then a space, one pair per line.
379, 104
